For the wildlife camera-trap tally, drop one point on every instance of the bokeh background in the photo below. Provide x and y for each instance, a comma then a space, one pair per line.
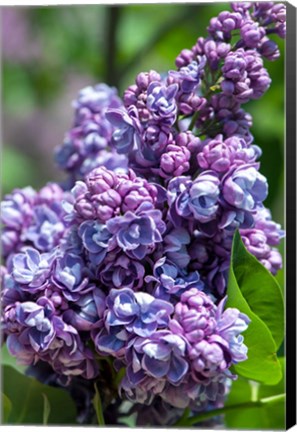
50, 53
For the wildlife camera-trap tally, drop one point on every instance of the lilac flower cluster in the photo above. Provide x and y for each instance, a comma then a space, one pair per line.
131, 261
33, 218
87, 144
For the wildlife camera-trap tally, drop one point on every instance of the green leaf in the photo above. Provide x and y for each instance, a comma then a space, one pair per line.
46, 409
260, 289
262, 364
98, 407
28, 402
9, 360
6, 407
268, 416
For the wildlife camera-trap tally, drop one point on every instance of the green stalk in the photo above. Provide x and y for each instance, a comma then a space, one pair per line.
208, 415
98, 407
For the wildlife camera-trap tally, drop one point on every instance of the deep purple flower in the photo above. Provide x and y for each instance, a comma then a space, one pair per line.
137, 233
154, 140
260, 240
121, 271
272, 230
87, 311
269, 49
111, 342
127, 128
201, 199
91, 132
175, 246
245, 76
219, 155
139, 312
174, 161
161, 101
252, 33
106, 194
152, 362
213, 50
244, 187
32, 269
189, 76
68, 355
170, 280
95, 238
69, 275
211, 261
222, 26
33, 218
213, 335
37, 326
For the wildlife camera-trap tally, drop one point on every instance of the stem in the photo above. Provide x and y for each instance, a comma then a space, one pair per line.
98, 407
113, 17
256, 404
183, 418
194, 119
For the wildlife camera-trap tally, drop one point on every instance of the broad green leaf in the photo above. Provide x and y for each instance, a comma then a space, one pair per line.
9, 360
262, 364
46, 409
260, 289
98, 407
26, 396
263, 417
6, 407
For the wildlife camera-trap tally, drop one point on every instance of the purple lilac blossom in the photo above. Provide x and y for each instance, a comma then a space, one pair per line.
161, 102
88, 311
137, 233
95, 238
129, 314
220, 155
198, 199
106, 194
127, 129
32, 269
121, 271
213, 334
84, 145
139, 312
189, 76
136, 94
170, 281
70, 276
33, 218
244, 187
244, 75
152, 362
134, 263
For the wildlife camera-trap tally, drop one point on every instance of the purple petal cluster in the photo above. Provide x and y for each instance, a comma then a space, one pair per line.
262, 239
106, 194
245, 77
87, 144
33, 218
126, 268
185, 363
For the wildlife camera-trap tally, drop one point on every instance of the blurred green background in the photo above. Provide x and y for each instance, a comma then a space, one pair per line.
50, 53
